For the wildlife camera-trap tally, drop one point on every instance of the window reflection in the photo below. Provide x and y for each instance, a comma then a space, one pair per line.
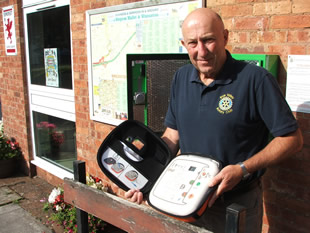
55, 140
50, 29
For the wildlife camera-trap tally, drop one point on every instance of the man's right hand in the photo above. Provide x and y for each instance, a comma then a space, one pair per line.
134, 195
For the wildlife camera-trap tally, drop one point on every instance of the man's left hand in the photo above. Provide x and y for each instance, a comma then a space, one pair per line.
226, 179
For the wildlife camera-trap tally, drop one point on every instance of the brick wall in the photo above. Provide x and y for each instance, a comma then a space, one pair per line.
89, 134
256, 26
279, 27
13, 87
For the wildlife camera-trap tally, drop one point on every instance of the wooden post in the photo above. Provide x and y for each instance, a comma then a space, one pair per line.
81, 216
235, 219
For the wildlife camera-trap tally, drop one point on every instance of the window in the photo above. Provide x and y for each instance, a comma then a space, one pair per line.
55, 140
50, 29
50, 85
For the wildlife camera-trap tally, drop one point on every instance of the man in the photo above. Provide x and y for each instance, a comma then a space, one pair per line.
226, 108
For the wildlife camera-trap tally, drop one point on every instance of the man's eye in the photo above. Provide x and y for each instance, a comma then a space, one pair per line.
192, 43
209, 40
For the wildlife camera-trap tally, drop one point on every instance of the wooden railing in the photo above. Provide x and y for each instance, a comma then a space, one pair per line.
129, 216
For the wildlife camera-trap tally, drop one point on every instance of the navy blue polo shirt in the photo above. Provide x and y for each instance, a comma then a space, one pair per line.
231, 118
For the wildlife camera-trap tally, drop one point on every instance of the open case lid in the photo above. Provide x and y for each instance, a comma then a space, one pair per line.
133, 156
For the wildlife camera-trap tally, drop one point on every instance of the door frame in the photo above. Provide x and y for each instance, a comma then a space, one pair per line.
61, 101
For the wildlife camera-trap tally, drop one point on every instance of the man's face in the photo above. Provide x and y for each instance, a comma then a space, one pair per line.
205, 40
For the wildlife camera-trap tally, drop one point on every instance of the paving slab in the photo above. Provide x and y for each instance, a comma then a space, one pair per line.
7, 195
14, 219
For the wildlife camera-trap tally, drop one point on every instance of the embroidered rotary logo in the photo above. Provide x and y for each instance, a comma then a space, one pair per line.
225, 104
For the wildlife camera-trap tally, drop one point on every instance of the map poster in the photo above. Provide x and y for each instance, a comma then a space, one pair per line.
112, 34
51, 67
9, 30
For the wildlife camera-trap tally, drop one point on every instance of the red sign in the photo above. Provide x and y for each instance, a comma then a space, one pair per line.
9, 30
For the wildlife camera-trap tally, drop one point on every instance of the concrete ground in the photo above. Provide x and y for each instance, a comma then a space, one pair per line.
21, 206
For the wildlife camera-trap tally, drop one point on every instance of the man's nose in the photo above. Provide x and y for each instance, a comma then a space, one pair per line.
202, 49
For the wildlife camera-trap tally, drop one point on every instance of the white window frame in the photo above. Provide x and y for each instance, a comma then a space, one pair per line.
60, 101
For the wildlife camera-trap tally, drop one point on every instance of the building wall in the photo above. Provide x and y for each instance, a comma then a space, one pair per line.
256, 26
13, 87
279, 27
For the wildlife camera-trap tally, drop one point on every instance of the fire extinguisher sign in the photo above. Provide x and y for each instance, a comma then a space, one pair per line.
9, 30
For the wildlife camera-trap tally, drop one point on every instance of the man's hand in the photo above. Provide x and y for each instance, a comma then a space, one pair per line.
134, 195
226, 179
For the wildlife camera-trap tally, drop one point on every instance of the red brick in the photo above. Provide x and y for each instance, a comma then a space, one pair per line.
297, 50
212, 3
290, 21
95, 5
248, 49
262, 37
272, 8
236, 10
304, 124
282, 225
279, 49
298, 36
299, 221
81, 8
272, 210
306, 136
251, 23
293, 205
292, 177
301, 6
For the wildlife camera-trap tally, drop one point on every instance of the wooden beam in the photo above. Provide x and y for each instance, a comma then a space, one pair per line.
121, 213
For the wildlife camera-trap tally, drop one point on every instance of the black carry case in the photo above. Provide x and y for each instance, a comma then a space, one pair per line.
134, 157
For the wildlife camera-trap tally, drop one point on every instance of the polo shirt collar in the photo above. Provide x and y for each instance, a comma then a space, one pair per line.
224, 77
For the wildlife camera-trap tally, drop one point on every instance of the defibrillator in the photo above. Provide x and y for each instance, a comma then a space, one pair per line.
134, 157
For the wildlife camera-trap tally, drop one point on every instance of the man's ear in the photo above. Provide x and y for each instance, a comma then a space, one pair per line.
225, 36
183, 43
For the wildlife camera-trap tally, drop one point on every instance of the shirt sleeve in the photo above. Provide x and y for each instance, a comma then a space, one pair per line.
274, 109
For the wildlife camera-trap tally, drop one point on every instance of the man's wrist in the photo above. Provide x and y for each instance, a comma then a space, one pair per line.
245, 173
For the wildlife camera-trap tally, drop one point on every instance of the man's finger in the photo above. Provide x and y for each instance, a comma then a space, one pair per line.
129, 193
134, 197
139, 197
213, 199
215, 180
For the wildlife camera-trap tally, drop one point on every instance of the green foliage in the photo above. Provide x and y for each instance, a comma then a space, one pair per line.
64, 214
9, 148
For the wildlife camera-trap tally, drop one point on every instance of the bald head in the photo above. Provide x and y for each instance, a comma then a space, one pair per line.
202, 15
205, 38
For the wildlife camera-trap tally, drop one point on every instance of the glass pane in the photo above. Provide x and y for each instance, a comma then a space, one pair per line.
50, 29
55, 140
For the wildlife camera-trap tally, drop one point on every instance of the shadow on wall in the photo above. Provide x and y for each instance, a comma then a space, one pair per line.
287, 187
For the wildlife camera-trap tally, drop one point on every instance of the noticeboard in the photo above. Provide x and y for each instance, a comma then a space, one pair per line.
298, 83
112, 33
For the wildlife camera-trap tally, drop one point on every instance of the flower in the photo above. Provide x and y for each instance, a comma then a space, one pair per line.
46, 125
58, 208
50, 129
95, 182
57, 138
55, 192
65, 215
9, 148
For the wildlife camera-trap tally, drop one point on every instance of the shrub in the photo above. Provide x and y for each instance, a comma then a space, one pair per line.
64, 214
9, 148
